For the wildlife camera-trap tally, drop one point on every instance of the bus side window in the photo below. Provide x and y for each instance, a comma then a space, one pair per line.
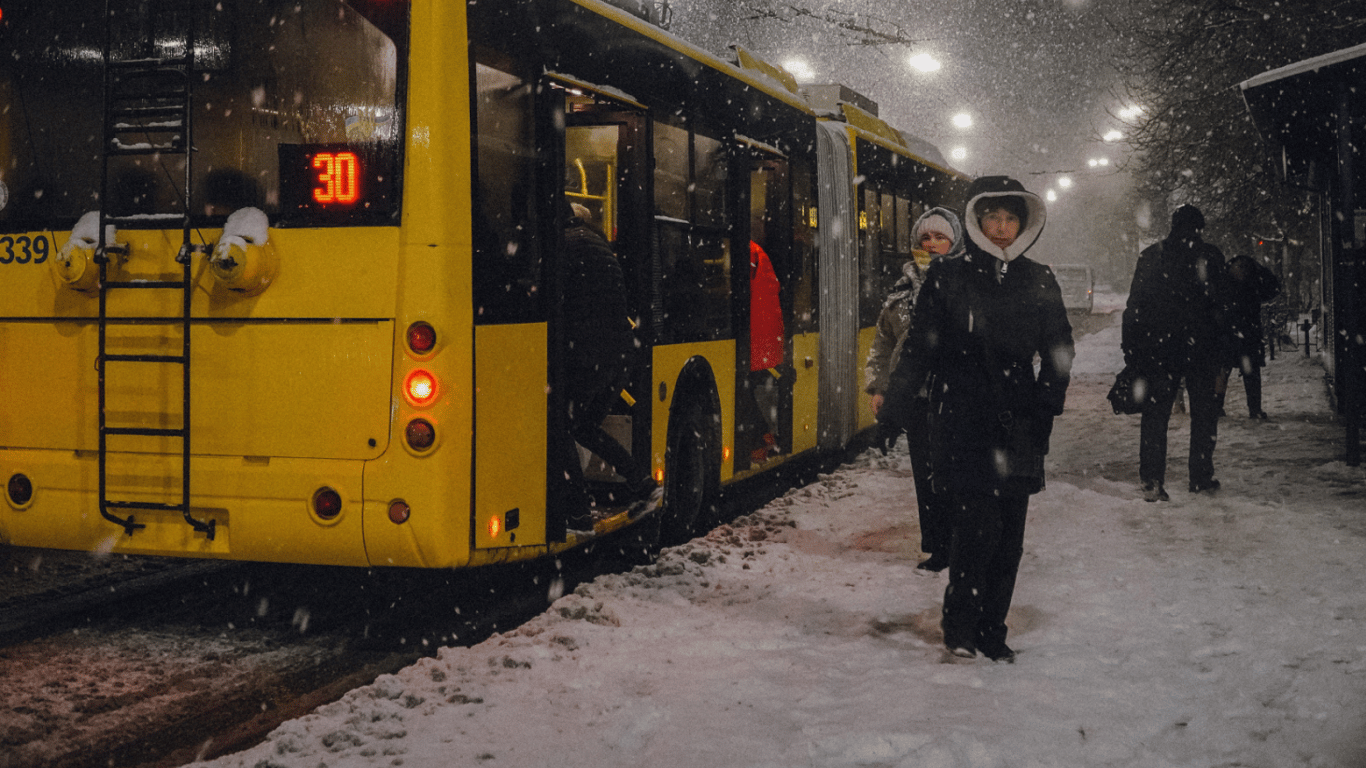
903, 229
506, 263
871, 293
671, 171
805, 299
692, 248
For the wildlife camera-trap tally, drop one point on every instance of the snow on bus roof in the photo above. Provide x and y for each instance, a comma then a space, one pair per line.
761, 82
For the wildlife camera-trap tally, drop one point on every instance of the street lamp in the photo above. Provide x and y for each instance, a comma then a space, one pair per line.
1113, 135
924, 62
800, 70
962, 120
959, 153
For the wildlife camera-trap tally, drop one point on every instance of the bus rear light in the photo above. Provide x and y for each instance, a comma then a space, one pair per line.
420, 388
399, 511
659, 475
20, 489
421, 337
327, 503
495, 526
420, 434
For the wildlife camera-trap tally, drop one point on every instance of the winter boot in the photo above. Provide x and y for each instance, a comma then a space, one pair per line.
1153, 491
992, 644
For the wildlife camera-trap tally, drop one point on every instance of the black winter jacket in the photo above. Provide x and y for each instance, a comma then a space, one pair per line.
597, 327
1250, 285
1175, 316
979, 338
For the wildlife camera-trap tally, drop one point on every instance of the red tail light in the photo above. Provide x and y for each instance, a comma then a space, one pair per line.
20, 489
420, 434
421, 337
399, 511
326, 503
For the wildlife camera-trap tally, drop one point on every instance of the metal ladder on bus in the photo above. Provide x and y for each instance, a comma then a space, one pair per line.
147, 111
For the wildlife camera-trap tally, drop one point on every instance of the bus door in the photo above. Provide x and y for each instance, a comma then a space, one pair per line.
606, 169
765, 375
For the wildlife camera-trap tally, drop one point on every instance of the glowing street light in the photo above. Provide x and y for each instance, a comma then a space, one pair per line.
924, 62
1051, 196
1098, 162
1113, 136
962, 120
1065, 181
1130, 112
800, 70
959, 153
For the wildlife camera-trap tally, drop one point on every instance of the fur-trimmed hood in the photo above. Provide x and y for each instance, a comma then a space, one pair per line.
957, 234
1004, 186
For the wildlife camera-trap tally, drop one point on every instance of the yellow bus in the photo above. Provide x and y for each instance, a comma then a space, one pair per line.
280, 279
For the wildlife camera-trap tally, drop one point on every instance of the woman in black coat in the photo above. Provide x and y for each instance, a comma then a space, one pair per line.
979, 324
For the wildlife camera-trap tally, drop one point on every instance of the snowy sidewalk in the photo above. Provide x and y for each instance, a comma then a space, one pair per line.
1214, 630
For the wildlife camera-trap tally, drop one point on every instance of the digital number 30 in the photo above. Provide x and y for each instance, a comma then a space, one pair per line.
338, 177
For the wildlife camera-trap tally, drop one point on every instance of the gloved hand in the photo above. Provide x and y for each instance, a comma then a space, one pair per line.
886, 435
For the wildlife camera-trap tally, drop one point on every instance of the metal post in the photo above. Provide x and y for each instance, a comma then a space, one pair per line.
1346, 292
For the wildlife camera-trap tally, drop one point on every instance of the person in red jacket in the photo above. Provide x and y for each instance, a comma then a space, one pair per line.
765, 312
766, 349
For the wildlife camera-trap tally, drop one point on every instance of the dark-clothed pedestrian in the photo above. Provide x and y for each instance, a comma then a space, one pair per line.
979, 324
599, 345
937, 234
1249, 286
1174, 328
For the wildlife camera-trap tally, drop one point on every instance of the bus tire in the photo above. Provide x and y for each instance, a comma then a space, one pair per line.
684, 478
692, 460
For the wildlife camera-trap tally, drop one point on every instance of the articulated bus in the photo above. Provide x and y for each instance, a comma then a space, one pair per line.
280, 279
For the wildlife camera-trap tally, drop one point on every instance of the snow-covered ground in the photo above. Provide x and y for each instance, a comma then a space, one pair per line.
1213, 630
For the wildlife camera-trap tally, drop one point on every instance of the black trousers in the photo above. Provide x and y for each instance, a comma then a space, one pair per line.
935, 509
1204, 415
988, 542
591, 394
1252, 386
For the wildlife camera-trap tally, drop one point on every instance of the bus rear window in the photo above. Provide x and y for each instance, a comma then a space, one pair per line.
273, 79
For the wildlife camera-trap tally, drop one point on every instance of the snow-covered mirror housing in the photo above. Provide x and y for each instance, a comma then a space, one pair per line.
75, 266
244, 261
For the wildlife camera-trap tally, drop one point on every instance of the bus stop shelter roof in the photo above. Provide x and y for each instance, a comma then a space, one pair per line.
1296, 106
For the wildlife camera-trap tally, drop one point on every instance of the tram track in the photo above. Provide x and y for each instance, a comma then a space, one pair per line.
127, 668
70, 604
156, 664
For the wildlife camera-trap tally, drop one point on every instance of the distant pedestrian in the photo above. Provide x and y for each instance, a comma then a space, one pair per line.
1174, 328
937, 234
979, 324
1250, 285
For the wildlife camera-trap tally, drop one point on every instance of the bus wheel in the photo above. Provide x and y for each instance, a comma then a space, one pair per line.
685, 476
